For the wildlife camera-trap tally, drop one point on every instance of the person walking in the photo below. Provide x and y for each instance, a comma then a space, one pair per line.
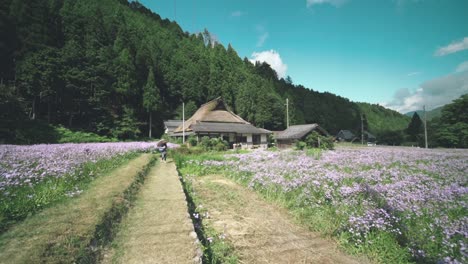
162, 145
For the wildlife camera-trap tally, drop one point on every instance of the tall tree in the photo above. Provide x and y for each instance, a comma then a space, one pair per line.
151, 98
452, 128
415, 127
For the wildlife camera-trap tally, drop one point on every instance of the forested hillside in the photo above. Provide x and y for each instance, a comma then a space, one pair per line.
381, 119
434, 113
106, 66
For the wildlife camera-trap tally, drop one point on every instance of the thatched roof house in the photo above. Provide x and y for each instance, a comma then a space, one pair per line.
345, 135
215, 119
295, 133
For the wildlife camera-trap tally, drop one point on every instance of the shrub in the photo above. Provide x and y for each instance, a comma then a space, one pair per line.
67, 136
315, 140
192, 140
271, 140
27, 132
216, 144
205, 143
300, 145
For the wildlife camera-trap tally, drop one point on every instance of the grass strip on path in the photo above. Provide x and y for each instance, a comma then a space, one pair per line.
65, 233
259, 231
158, 228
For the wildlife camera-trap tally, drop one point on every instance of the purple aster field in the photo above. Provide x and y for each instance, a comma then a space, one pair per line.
33, 176
415, 196
26, 165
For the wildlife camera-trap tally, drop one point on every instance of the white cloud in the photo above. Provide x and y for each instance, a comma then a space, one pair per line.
262, 38
262, 34
237, 13
336, 3
273, 59
433, 93
413, 73
462, 67
453, 47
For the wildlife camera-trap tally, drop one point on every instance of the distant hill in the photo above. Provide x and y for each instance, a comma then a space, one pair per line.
436, 112
381, 119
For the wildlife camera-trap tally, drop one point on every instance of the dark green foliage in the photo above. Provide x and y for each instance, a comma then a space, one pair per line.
451, 130
392, 138
315, 140
190, 109
111, 67
67, 136
26, 132
126, 127
415, 128
151, 98
300, 145
192, 141
216, 144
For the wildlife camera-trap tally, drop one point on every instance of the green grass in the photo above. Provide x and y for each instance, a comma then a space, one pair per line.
215, 248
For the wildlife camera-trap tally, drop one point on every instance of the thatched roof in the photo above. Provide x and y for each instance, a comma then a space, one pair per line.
172, 124
345, 134
213, 111
239, 128
300, 131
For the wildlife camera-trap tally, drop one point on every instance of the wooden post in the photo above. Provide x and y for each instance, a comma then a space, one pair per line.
425, 126
362, 129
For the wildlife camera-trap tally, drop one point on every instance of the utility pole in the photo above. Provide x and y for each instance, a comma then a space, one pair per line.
425, 126
287, 113
183, 122
362, 129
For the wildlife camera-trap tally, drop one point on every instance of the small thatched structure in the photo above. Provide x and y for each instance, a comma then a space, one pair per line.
345, 135
292, 134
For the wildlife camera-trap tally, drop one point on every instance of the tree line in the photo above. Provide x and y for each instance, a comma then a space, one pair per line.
117, 69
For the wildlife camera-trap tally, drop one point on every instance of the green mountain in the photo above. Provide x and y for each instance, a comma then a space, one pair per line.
381, 119
436, 112
108, 66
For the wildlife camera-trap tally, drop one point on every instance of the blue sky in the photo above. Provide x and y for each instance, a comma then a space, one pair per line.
399, 53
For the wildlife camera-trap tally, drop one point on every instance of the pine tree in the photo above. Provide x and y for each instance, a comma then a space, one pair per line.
151, 98
415, 127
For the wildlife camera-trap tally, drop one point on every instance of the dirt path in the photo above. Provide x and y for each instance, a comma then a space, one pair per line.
158, 228
56, 234
259, 231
